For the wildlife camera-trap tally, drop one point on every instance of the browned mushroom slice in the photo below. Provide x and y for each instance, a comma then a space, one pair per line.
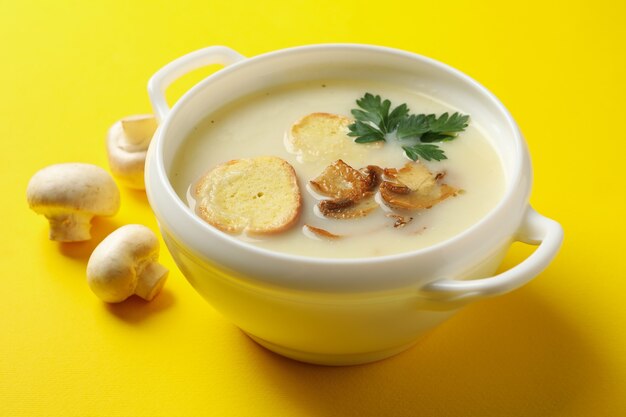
416, 200
335, 205
399, 221
390, 187
415, 176
414, 188
348, 208
373, 176
340, 181
320, 233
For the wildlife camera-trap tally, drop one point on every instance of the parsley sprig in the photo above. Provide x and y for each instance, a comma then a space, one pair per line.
374, 122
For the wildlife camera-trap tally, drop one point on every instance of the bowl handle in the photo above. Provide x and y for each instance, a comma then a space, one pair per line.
535, 230
181, 66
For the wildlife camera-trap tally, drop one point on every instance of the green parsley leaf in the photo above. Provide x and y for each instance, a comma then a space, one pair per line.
430, 128
425, 151
413, 126
396, 116
430, 137
373, 122
455, 123
445, 128
365, 132
375, 110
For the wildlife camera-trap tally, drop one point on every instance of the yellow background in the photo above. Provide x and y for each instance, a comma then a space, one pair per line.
557, 347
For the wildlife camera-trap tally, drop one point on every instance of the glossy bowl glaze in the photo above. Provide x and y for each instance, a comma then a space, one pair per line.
342, 311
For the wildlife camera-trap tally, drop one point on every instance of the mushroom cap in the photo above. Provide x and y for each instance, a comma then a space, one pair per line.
127, 166
119, 261
127, 143
75, 187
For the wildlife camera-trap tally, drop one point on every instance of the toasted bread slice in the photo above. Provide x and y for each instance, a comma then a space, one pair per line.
256, 196
323, 137
414, 187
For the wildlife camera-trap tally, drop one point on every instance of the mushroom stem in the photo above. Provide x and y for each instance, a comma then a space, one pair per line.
127, 145
73, 227
138, 131
151, 280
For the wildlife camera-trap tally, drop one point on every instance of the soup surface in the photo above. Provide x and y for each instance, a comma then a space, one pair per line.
258, 125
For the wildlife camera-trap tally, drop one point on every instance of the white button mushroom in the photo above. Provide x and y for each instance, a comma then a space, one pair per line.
127, 144
70, 195
125, 263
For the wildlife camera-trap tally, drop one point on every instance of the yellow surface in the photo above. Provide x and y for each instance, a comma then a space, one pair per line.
556, 347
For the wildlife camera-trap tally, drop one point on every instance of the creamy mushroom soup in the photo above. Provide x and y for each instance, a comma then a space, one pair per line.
260, 125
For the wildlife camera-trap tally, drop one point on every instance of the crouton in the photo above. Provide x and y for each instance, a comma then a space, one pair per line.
323, 137
255, 196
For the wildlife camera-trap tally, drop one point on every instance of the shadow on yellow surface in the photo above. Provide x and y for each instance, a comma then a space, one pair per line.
513, 355
135, 310
138, 196
100, 228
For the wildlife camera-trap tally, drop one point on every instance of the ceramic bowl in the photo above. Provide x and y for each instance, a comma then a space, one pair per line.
342, 311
